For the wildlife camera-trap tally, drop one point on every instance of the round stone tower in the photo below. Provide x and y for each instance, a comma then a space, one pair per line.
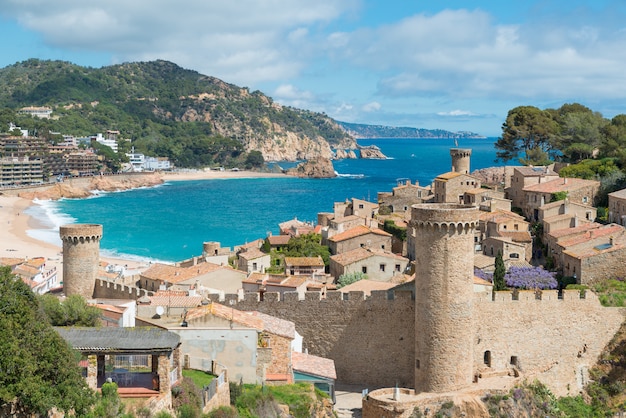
81, 257
460, 160
444, 265
210, 248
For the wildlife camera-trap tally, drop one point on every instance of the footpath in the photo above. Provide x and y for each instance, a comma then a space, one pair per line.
348, 400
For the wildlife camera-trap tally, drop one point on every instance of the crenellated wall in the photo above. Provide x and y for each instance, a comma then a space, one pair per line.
372, 340
105, 289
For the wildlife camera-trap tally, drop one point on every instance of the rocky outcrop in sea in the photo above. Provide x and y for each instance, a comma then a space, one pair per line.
371, 151
314, 168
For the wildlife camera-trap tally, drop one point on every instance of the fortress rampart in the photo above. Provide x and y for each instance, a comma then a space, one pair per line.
108, 290
372, 340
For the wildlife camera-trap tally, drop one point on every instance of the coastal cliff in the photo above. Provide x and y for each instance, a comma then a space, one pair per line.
84, 186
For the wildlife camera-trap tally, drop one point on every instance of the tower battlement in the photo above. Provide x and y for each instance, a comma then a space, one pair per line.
81, 258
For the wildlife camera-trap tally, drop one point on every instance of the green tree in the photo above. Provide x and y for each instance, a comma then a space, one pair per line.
254, 159
499, 273
308, 245
38, 369
109, 404
349, 278
527, 131
74, 311
557, 196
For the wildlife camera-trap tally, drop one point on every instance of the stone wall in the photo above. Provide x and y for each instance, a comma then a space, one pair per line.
551, 339
605, 265
371, 340
105, 289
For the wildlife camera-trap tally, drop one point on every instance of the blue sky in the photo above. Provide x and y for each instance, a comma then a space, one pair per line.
447, 64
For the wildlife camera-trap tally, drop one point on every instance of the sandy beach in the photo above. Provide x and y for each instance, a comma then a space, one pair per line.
216, 174
15, 222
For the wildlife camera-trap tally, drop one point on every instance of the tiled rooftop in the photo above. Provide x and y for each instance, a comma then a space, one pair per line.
279, 239
357, 231
516, 236
588, 236
366, 286
561, 185
304, 261
535, 171
173, 274
252, 254
448, 176
318, 366
620, 194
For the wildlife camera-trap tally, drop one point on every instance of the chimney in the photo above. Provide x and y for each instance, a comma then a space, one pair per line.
576, 221
611, 240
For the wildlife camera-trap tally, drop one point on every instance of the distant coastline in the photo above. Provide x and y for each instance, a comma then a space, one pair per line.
362, 131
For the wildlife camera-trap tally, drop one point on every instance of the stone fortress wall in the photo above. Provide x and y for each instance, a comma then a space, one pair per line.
372, 341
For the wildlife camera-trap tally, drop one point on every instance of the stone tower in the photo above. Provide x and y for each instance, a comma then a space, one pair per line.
81, 257
444, 331
461, 160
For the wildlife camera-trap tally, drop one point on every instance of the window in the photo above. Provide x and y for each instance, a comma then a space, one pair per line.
487, 358
382, 267
398, 267
516, 227
514, 255
514, 361
253, 266
360, 205
382, 246
585, 199
364, 269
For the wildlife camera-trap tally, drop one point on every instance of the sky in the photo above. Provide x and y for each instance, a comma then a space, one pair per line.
435, 64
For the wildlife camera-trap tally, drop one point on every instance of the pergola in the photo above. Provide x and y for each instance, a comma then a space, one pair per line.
158, 349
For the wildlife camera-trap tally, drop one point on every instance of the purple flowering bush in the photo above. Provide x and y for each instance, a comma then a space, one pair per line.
483, 274
530, 278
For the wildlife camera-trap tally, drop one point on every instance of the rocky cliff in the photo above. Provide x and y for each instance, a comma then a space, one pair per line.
314, 168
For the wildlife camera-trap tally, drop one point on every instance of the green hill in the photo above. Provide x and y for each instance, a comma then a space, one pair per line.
165, 110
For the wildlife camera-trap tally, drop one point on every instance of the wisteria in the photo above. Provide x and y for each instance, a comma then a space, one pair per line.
530, 278
483, 274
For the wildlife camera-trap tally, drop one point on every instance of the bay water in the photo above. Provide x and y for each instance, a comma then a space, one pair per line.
170, 222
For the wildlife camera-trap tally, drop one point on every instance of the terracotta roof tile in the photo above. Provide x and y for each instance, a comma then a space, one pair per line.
252, 254
304, 261
357, 231
362, 253
367, 286
279, 239
173, 274
317, 366
561, 185
516, 236
591, 235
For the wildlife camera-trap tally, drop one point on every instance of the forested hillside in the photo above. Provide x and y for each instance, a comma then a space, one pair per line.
359, 130
165, 110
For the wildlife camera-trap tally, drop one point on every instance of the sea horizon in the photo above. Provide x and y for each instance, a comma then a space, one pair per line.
170, 222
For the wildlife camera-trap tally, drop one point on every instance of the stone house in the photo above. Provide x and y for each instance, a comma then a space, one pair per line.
377, 264
280, 283
204, 276
278, 242
617, 207
564, 214
305, 266
295, 228
479, 196
553, 237
578, 191
405, 194
594, 255
450, 187
503, 231
346, 215
316, 370
527, 176
359, 236
254, 347
34, 273
253, 260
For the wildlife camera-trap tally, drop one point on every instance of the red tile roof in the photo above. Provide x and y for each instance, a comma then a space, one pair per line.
304, 261
561, 185
357, 231
317, 366
173, 274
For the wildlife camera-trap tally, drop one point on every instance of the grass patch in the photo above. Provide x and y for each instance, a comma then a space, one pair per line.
261, 401
611, 292
200, 378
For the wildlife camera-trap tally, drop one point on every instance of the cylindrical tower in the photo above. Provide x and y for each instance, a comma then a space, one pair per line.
81, 257
460, 160
210, 248
444, 264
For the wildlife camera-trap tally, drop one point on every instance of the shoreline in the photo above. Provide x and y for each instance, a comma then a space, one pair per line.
17, 243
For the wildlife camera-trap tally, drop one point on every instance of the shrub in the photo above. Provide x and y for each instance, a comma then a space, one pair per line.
530, 278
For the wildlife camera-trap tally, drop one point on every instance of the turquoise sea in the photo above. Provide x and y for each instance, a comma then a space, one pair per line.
170, 222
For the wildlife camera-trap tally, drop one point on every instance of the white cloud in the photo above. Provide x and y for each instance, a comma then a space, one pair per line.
241, 41
371, 107
457, 112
